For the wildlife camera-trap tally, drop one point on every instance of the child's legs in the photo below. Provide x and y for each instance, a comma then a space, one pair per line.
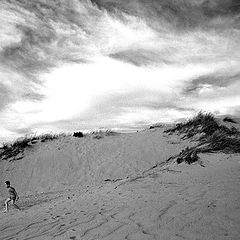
6, 203
15, 205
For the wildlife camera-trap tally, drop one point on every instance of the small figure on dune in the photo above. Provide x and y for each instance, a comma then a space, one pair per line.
13, 196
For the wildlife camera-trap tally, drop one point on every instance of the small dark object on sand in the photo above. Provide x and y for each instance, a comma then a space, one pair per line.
78, 134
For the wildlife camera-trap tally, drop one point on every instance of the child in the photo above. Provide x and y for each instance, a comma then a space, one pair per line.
13, 196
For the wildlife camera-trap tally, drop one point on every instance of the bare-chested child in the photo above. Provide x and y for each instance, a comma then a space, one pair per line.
13, 196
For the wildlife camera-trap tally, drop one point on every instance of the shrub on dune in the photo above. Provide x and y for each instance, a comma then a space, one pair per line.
228, 119
78, 134
50, 136
156, 125
211, 137
98, 134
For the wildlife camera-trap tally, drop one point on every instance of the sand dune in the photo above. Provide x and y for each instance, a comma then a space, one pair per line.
73, 161
121, 187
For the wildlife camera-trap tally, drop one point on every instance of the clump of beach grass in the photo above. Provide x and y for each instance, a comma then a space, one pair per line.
12, 149
98, 134
209, 134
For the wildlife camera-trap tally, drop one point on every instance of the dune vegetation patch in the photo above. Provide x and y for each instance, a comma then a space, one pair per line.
156, 125
209, 134
78, 134
98, 134
228, 119
17, 147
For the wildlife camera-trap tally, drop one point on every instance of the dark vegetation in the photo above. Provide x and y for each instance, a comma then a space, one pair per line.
209, 134
15, 150
228, 119
78, 134
9, 150
157, 125
102, 133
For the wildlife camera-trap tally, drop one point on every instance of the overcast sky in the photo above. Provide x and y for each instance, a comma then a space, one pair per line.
69, 65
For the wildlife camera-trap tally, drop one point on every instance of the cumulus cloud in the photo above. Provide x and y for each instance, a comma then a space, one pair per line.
82, 63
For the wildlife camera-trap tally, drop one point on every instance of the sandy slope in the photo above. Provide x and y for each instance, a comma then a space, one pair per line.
73, 161
148, 201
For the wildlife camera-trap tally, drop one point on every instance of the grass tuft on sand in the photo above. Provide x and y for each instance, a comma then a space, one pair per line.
98, 134
17, 147
209, 134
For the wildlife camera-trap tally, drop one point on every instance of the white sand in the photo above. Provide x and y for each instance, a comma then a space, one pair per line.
168, 201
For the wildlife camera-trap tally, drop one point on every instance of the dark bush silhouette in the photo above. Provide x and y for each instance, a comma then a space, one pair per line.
228, 119
78, 134
188, 155
156, 125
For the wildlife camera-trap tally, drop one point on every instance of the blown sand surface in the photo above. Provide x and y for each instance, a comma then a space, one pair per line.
142, 197
70, 161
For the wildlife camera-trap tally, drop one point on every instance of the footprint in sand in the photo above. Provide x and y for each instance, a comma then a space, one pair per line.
210, 208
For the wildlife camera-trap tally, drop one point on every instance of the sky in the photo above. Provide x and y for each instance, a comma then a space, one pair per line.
69, 65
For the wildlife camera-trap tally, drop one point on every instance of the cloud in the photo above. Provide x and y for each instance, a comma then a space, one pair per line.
80, 91
5, 96
218, 79
214, 98
39, 35
16, 87
141, 57
125, 62
43, 42
181, 14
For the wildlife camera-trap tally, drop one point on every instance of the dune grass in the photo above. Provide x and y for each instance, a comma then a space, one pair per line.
98, 134
9, 150
202, 123
210, 135
222, 141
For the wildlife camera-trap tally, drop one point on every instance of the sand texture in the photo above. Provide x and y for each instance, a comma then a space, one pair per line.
121, 187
